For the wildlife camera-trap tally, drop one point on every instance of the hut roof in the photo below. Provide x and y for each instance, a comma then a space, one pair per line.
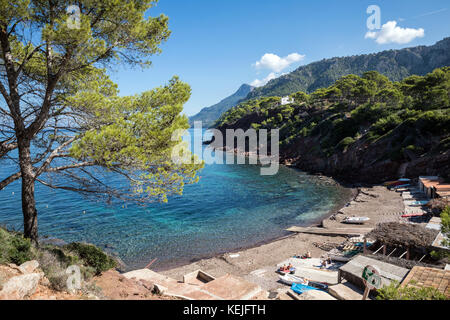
403, 235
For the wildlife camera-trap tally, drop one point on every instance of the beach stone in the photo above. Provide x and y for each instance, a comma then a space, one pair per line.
19, 287
29, 266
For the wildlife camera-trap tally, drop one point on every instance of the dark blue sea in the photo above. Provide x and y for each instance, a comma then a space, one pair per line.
232, 207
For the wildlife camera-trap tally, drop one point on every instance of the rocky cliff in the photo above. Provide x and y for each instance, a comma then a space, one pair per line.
361, 129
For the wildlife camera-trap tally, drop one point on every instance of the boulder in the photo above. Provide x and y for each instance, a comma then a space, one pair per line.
19, 287
29, 266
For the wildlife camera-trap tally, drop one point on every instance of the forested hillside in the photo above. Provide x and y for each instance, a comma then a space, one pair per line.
395, 64
360, 128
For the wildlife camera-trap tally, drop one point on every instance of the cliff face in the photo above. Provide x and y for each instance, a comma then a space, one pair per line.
361, 129
365, 163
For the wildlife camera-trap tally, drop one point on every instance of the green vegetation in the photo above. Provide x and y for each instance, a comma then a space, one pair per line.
74, 112
14, 248
445, 226
395, 292
92, 256
443, 255
55, 260
394, 64
359, 110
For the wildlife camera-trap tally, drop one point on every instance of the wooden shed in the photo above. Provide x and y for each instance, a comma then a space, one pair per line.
352, 271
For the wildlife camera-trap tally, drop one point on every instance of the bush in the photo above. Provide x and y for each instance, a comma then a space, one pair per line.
445, 225
14, 248
345, 143
54, 268
395, 292
92, 256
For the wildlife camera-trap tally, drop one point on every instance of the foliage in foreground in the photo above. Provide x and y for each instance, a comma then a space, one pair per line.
442, 254
395, 292
60, 108
54, 260
14, 248
92, 256
445, 225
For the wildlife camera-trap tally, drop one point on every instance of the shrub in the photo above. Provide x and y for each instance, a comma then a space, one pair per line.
395, 292
92, 256
21, 250
14, 248
345, 143
54, 268
445, 225
385, 125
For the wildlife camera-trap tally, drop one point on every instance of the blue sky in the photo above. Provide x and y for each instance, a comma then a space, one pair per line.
215, 44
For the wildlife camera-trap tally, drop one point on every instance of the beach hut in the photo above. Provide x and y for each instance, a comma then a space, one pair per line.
434, 187
442, 190
352, 271
403, 240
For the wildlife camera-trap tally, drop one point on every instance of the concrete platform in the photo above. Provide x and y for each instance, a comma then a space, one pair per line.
228, 287
346, 291
310, 269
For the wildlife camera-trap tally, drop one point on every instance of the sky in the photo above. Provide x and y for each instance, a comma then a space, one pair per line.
217, 45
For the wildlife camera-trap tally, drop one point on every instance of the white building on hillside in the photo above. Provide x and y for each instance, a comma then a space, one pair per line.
287, 100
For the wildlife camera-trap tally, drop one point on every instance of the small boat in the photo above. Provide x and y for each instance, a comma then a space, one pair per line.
285, 271
401, 186
342, 256
418, 203
355, 220
318, 285
412, 215
300, 288
290, 279
397, 182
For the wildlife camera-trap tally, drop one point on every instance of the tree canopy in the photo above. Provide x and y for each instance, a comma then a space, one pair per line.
63, 120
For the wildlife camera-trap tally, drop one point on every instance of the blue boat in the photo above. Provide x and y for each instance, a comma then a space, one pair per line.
300, 288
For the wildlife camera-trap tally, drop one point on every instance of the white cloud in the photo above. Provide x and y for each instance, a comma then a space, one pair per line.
277, 64
391, 33
262, 82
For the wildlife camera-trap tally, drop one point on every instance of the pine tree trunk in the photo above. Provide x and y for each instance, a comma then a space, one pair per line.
30, 223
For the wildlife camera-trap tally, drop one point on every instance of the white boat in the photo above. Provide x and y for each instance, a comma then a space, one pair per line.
418, 203
356, 220
401, 186
289, 279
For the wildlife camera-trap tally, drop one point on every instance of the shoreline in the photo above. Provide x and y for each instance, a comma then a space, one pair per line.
353, 193
258, 263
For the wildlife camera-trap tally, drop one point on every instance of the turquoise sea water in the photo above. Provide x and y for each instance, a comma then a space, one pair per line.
232, 207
